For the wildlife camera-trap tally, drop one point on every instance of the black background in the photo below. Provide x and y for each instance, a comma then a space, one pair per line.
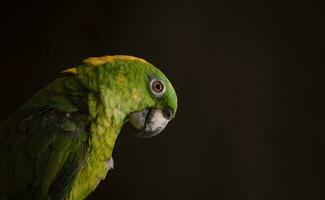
250, 119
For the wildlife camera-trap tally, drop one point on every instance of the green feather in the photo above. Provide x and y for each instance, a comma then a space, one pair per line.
62, 142
56, 146
39, 142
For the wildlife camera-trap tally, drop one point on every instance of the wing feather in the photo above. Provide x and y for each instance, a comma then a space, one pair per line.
42, 153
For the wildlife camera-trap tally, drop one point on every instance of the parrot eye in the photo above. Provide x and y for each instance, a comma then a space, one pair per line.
157, 87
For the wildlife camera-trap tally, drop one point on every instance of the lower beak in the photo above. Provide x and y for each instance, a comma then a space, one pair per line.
150, 121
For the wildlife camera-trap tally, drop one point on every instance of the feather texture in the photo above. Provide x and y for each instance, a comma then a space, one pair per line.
58, 146
42, 142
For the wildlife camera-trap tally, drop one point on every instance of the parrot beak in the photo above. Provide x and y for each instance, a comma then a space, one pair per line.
150, 121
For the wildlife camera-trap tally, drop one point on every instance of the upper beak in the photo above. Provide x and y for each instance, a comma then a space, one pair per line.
150, 121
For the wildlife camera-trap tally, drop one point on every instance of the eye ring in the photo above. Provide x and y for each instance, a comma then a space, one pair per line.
157, 87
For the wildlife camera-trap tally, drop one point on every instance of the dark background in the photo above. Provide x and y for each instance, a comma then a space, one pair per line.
250, 123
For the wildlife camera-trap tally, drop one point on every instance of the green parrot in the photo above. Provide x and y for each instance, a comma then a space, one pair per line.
59, 144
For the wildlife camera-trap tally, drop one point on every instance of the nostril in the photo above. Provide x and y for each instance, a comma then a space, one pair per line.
168, 113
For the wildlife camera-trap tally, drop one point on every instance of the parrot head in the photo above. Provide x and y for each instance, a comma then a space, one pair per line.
135, 89
152, 119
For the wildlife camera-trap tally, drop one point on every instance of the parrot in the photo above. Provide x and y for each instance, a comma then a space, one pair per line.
59, 144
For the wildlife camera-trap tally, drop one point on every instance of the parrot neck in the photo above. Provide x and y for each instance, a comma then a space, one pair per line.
105, 127
108, 116
109, 106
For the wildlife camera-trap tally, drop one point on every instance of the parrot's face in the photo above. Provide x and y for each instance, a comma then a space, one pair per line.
158, 102
152, 119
